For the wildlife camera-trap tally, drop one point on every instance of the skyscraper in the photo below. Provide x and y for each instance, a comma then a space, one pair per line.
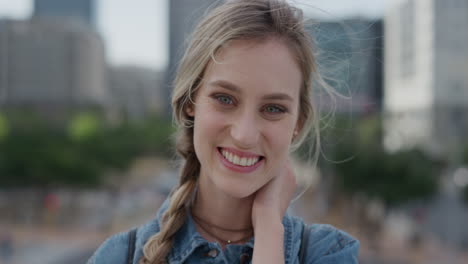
349, 57
83, 10
49, 64
183, 16
426, 80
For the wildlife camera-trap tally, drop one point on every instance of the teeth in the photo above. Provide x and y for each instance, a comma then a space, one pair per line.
243, 162
238, 160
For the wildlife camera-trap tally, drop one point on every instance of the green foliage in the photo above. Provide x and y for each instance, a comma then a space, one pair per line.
465, 194
36, 153
3, 127
362, 165
465, 155
83, 126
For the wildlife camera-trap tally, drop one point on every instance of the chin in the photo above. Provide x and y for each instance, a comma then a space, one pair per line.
236, 189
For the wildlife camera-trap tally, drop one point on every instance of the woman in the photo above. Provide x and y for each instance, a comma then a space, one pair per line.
242, 100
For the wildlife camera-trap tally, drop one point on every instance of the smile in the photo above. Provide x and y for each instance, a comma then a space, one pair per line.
233, 158
239, 161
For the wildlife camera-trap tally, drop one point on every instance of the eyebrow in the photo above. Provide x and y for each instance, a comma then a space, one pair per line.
234, 88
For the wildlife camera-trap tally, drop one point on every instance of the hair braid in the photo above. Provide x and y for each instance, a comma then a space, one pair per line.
159, 245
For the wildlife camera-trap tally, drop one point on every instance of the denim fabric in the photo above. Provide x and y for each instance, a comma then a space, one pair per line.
326, 245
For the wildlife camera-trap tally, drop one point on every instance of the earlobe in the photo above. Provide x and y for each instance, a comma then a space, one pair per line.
189, 110
297, 129
295, 133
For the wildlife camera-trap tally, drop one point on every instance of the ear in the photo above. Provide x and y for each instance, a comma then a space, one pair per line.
298, 128
295, 133
189, 110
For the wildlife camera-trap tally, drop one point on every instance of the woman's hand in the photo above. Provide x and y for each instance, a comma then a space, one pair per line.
273, 199
269, 206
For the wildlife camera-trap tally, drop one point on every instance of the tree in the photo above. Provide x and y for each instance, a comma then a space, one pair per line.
79, 153
362, 165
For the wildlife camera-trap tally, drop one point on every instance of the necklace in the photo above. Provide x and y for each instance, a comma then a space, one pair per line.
198, 219
200, 222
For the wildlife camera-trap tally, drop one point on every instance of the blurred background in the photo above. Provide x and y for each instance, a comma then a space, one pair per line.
85, 126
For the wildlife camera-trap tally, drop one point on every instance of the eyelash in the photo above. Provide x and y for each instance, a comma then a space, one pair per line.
218, 97
277, 108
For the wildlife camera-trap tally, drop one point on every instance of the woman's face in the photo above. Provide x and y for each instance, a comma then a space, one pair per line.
245, 114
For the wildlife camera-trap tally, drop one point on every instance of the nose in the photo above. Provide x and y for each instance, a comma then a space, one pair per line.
245, 130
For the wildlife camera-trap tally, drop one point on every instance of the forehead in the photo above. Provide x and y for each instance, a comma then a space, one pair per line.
257, 67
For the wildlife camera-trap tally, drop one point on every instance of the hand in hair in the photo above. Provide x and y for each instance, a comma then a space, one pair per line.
273, 199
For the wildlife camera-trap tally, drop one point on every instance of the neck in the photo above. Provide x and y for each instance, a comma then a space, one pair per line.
222, 210
220, 217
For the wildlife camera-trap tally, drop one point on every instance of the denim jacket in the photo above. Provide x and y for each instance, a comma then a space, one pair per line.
326, 245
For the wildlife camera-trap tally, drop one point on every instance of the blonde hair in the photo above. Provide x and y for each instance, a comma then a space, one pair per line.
233, 20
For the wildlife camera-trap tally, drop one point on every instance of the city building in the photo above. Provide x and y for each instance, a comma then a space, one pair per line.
82, 10
349, 58
48, 64
136, 92
426, 75
183, 17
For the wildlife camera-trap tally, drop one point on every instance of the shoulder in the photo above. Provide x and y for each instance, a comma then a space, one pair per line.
113, 250
327, 244
324, 243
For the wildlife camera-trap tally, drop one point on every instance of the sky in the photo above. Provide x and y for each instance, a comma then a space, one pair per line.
135, 32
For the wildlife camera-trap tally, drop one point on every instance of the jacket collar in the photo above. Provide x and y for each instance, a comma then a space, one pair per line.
188, 239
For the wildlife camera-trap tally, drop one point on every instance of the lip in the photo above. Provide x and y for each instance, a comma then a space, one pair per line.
238, 168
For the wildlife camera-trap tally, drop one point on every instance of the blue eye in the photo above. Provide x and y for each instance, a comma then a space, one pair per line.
223, 99
274, 109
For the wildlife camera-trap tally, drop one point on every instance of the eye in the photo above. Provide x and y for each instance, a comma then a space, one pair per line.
274, 109
224, 99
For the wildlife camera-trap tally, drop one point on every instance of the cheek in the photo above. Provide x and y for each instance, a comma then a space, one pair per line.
280, 134
279, 141
207, 125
